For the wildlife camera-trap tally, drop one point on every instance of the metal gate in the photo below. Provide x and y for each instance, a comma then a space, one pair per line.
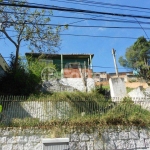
55, 144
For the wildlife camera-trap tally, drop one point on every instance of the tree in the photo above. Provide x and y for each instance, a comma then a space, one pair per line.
18, 81
30, 26
137, 57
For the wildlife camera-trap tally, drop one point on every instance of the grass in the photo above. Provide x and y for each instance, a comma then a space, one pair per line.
126, 113
129, 89
71, 96
89, 109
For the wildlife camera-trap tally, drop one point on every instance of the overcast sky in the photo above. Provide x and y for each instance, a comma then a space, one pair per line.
102, 46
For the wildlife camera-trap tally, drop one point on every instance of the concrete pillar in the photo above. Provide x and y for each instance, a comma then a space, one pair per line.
91, 62
62, 70
88, 64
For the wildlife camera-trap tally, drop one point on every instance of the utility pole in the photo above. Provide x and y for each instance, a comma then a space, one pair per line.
114, 57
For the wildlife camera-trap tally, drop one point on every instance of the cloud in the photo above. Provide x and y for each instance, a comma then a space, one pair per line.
101, 29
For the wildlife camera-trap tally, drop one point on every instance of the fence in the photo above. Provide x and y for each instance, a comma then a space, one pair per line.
16, 110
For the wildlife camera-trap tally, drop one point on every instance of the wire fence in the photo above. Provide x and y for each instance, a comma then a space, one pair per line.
19, 110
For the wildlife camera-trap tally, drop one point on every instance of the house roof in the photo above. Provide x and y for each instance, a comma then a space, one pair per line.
130, 72
3, 63
73, 55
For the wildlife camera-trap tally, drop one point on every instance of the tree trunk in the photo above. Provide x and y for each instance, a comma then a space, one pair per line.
16, 58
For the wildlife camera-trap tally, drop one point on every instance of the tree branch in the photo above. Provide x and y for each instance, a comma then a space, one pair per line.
10, 39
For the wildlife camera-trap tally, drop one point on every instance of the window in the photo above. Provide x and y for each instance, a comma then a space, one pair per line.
73, 65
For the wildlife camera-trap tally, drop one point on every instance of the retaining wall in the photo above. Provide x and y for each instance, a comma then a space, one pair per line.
110, 139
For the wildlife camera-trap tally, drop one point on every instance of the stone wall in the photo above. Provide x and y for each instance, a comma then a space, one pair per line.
110, 139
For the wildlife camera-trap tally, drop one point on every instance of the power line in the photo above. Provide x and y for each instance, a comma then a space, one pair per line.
82, 26
94, 36
94, 2
83, 18
76, 10
97, 36
110, 4
95, 5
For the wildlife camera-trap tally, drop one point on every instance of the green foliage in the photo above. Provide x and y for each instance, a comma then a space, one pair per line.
102, 90
127, 113
0, 108
26, 122
35, 67
33, 29
89, 113
18, 81
70, 96
137, 58
129, 89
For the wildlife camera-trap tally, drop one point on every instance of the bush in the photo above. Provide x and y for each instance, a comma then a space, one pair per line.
18, 81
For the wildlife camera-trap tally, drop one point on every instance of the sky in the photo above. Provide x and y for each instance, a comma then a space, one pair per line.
101, 47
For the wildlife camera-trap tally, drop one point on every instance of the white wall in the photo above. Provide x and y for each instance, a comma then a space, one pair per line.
78, 84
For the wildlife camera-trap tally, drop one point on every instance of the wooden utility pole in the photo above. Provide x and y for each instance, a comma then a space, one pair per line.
114, 57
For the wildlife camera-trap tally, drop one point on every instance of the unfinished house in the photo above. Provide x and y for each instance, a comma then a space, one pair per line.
100, 76
74, 70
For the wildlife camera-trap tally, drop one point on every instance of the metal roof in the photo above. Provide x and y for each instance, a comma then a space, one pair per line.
3, 63
72, 55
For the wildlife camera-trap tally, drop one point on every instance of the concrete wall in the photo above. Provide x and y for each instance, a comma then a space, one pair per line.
78, 84
110, 139
41, 110
117, 87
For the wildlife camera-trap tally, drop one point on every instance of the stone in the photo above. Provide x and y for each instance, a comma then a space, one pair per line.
7, 147
147, 143
75, 137
110, 145
120, 144
130, 144
84, 137
73, 145
123, 135
18, 147
105, 136
114, 135
23, 140
82, 146
140, 143
3, 140
143, 134
133, 134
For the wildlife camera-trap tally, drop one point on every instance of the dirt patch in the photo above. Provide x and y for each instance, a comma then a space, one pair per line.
127, 84
136, 84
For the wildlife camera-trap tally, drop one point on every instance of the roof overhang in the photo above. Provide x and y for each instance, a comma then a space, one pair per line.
67, 56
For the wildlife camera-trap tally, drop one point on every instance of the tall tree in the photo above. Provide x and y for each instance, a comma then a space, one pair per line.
30, 26
137, 57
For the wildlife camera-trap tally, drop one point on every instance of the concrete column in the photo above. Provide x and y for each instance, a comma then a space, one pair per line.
62, 70
88, 63
91, 62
